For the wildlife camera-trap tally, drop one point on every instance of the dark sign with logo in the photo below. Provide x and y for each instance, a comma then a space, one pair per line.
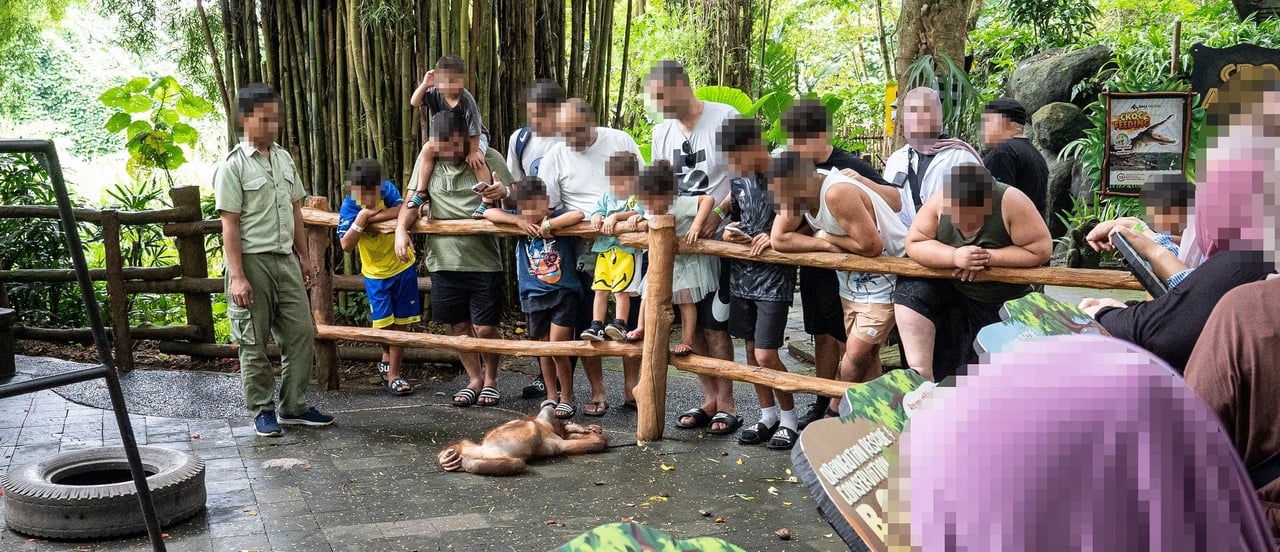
1214, 67
1146, 137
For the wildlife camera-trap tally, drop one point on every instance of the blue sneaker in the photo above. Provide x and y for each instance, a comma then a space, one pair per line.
311, 417
266, 425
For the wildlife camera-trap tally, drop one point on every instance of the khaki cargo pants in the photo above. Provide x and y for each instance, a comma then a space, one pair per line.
280, 310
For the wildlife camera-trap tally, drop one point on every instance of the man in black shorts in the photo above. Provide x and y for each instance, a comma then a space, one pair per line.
808, 127
466, 271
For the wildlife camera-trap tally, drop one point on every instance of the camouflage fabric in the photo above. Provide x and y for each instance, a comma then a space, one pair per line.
633, 537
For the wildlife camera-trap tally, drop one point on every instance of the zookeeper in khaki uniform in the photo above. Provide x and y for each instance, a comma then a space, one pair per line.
268, 271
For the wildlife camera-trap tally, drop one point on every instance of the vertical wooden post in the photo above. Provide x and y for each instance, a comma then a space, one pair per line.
319, 239
115, 290
651, 393
195, 263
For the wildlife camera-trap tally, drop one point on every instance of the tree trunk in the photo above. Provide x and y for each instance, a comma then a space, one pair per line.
626, 62
884, 41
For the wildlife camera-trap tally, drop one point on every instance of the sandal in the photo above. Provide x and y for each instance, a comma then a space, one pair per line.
635, 335
383, 368
682, 349
464, 397
783, 439
399, 387
564, 411
700, 419
758, 434
731, 423
596, 409
489, 397
547, 403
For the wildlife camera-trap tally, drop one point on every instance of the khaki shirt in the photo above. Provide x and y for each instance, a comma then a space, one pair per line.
263, 193
452, 199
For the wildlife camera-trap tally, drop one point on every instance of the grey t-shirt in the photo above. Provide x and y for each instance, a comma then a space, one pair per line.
435, 102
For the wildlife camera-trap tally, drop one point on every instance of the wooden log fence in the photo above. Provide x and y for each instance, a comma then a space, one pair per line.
191, 279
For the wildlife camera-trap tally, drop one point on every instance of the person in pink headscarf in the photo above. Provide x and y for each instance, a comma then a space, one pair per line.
1074, 443
1232, 219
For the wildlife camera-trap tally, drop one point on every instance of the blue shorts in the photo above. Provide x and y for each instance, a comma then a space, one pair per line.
394, 300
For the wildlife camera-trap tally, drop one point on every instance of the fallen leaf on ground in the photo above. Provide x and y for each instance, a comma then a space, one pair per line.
164, 535
739, 462
719, 520
773, 491
704, 513
665, 466
745, 497
195, 435
658, 498
555, 522
786, 503
783, 533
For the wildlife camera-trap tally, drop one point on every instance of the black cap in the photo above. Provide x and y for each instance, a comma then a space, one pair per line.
1010, 108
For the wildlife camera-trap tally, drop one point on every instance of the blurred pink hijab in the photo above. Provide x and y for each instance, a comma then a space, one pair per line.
1236, 197
1076, 443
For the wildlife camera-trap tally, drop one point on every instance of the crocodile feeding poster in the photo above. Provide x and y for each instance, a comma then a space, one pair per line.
1146, 136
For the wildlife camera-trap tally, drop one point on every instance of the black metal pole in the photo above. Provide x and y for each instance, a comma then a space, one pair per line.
49, 154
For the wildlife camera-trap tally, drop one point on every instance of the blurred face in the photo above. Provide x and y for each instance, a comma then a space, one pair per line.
672, 100
262, 126
577, 131
994, 128
813, 148
542, 118
798, 194
451, 149
656, 203
623, 186
450, 83
1172, 220
921, 117
967, 218
534, 208
365, 196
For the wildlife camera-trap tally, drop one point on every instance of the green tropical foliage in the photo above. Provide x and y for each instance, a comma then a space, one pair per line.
961, 102
155, 117
634, 536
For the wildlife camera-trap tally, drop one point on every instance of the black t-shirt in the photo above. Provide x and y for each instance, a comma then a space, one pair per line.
435, 102
841, 159
1019, 164
1169, 326
752, 207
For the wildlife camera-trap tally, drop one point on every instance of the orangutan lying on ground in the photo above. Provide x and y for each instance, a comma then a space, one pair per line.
504, 450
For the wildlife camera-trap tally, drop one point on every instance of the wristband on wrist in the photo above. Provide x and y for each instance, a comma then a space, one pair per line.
719, 212
356, 228
546, 225
1140, 228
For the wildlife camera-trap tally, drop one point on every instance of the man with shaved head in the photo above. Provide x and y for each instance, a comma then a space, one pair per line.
574, 173
920, 167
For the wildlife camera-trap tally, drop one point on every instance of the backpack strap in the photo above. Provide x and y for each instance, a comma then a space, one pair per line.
522, 141
1266, 472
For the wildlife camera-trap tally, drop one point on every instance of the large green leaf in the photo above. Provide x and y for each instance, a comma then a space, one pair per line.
137, 84
137, 127
185, 134
137, 103
193, 106
118, 122
174, 157
169, 116
114, 97
727, 95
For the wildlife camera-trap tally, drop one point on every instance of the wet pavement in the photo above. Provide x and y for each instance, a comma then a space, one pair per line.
371, 483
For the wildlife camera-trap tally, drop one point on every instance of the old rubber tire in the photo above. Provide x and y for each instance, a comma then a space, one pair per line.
35, 506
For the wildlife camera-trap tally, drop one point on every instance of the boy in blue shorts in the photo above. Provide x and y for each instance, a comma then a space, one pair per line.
391, 284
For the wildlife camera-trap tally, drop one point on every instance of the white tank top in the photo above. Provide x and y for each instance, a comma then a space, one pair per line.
858, 286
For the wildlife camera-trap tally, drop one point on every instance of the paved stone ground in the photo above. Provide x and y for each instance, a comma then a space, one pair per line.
371, 483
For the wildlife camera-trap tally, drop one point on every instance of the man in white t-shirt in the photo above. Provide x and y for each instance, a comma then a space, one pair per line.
689, 139
530, 144
920, 167
525, 150
574, 173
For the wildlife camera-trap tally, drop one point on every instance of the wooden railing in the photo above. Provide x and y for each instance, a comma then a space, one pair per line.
658, 236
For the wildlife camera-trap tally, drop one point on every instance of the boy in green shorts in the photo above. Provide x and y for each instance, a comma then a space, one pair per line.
390, 284
259, 199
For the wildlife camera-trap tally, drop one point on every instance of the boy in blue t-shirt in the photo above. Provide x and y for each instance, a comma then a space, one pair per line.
548, 281
391, 284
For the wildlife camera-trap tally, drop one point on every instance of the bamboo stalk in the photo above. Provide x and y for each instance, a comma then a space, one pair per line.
651, 392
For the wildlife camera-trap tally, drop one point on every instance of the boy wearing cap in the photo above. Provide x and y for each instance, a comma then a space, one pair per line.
1011, 157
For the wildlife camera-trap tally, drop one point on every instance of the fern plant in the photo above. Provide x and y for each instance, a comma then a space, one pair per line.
961, 102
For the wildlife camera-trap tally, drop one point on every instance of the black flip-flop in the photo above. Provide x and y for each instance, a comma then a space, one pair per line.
399, 387
732, 423
700, 419
757, 434
783, 439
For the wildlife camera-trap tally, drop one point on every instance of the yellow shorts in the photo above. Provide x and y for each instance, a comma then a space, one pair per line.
615, 271
868, 322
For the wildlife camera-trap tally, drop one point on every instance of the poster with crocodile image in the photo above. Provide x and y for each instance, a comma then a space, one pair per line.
1146, 136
